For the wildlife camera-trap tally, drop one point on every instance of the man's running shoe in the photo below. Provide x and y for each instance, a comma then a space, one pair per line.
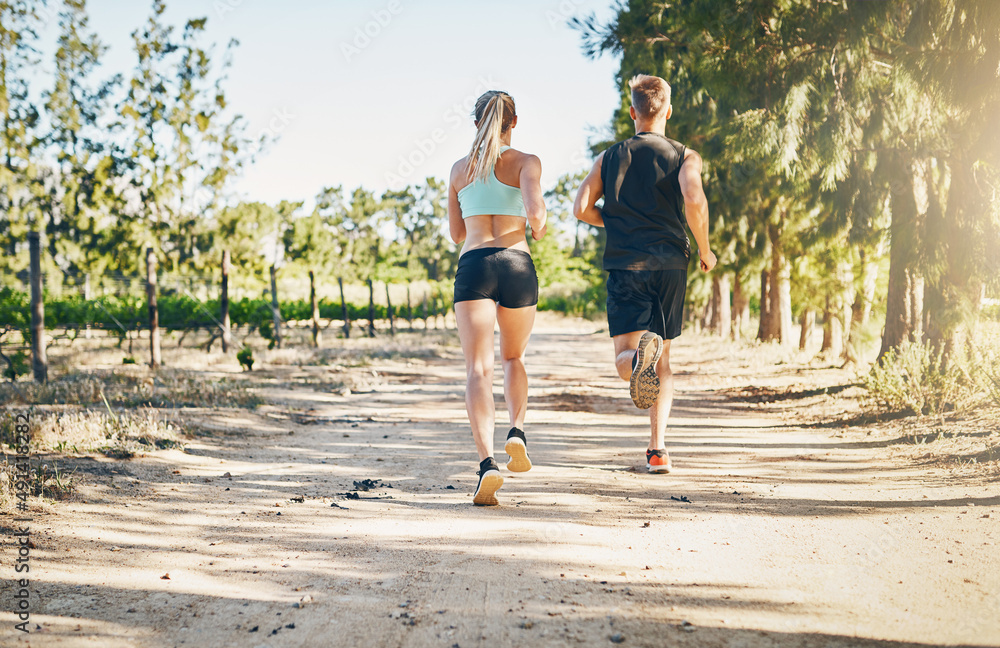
517, 449
490, 481
657, 461
644, 386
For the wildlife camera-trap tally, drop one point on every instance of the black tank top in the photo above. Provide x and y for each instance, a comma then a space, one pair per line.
643, 205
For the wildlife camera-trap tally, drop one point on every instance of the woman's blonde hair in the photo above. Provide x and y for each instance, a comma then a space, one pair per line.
494, 113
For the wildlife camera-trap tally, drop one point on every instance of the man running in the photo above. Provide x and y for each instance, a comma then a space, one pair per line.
651, 185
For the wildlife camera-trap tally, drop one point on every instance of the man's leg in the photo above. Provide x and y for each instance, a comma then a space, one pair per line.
625, 345
660, 412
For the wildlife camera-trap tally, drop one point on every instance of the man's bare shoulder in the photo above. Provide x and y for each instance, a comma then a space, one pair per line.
692, 155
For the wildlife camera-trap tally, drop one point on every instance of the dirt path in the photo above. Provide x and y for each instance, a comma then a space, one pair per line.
768, 533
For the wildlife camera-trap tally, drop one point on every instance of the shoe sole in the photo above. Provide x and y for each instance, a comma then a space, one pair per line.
486, 494
659, 469
518, 454
644, 386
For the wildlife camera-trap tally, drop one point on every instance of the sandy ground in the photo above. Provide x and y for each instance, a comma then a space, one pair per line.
771, 531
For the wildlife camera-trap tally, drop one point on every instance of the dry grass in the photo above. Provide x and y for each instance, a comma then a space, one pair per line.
133, 387
44, 481
120, 434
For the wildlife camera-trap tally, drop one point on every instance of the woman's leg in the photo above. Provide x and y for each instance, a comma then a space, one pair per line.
476, 320
515, 329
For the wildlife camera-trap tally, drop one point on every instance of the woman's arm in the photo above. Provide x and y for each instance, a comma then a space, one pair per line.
589, 193
531, 192
456, 224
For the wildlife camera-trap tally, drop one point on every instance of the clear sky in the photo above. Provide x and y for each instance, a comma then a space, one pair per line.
378, 92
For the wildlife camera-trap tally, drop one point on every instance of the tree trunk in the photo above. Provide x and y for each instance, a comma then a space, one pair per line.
903, 240
343, 308
388, 310
915, 306
763, 330
409, 309
953, 240
316, 335
806, 322
833, 329
741, 309
87, 296
224, 304
721, 311
371, 309
860, 307
707, 314
779, 309
275, 309
39, 359
155, 359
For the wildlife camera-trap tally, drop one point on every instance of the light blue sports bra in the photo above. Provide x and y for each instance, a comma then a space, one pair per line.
491, 197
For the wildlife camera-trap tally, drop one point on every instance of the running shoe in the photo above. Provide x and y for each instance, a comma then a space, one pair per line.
517, 449
490, 481
644, 386
658, 461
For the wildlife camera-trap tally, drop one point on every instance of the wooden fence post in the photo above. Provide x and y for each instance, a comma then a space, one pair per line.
87, 296
371, 309
275, 311
343, 307
392, 322
155, 360
439, 311
409, 309
315, 308
227, 338
39, 361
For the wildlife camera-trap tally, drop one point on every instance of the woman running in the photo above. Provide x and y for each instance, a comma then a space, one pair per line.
492, 191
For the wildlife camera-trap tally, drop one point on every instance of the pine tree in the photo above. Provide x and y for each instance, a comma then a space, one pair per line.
19, 140
76, 107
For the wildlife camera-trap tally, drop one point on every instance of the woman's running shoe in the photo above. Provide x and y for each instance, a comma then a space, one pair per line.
517, 449
490, 481
644, 386
657, 461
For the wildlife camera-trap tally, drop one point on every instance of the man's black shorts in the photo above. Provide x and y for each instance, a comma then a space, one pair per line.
646, 300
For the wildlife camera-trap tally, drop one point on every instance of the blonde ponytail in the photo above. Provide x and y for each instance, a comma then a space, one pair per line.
494, 119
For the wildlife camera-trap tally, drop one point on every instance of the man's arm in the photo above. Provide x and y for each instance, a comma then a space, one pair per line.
589, 193
696, 207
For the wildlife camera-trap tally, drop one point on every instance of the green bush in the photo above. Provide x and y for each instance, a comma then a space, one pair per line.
914, 379
17, 366
245, 357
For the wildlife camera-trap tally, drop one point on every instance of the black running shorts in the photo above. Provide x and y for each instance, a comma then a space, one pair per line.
499, 274
646, 300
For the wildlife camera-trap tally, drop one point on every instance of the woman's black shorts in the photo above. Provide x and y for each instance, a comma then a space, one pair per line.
500, 274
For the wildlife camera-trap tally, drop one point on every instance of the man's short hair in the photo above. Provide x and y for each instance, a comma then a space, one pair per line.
650, 94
